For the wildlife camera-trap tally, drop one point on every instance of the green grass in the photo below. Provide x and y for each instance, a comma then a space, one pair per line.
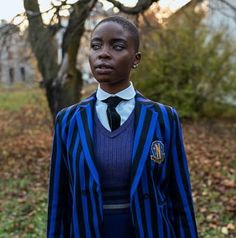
24, 213
13, 99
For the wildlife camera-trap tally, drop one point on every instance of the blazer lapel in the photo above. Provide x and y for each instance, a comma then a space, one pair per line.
145, 126
84, 119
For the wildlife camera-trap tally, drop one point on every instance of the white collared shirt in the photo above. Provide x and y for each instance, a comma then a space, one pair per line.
124, 108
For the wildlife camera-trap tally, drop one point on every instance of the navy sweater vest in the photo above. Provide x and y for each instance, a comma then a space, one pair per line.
113, 151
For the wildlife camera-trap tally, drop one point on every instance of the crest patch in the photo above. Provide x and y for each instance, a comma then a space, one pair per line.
157, 151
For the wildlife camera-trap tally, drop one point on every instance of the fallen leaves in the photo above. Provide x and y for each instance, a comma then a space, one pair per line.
24, 160
211, 150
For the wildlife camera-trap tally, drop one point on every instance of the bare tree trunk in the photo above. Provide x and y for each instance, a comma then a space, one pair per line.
63, 82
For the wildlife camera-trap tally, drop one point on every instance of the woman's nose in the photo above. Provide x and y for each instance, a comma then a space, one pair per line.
104, 53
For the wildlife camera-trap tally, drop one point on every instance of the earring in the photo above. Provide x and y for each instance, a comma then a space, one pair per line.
135, 66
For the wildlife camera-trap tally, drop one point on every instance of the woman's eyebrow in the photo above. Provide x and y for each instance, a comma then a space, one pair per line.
114, 40
119, 40
96, 39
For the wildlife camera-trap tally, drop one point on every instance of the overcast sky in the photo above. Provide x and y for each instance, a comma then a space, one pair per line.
10, 8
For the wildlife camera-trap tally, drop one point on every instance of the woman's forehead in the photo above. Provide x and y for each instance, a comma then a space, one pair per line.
110, 27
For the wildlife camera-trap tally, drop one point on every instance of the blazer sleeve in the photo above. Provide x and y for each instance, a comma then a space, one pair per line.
57, 223
179, 196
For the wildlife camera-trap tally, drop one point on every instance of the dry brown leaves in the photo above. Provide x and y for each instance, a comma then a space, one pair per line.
211, 150
25, 145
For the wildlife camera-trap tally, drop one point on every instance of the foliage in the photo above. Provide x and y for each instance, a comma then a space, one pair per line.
187, 65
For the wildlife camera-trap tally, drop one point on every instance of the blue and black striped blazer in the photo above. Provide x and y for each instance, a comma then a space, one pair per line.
160, 195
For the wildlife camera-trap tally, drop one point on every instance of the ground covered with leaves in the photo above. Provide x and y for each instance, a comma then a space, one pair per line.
25, 141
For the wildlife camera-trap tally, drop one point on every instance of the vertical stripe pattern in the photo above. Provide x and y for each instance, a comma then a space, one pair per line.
160, 195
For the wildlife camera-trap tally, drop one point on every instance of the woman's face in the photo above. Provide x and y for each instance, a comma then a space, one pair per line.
112, 55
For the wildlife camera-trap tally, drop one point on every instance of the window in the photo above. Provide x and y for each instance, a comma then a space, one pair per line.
22, 73
11, 75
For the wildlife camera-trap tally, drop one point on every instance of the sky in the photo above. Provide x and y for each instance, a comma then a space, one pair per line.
13, 7
10, 8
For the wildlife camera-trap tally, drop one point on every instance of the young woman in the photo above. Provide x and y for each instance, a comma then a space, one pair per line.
118, 166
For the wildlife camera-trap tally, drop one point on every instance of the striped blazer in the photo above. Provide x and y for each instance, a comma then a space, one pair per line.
160, 196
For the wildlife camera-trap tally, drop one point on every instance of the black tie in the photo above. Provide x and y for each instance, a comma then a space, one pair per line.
112, 114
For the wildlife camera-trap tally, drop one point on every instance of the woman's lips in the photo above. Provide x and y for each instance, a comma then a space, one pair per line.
103, 69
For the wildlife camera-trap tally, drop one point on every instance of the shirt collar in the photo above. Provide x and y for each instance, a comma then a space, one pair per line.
127, 93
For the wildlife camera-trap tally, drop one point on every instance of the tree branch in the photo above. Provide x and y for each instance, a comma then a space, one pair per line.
42, 42
222, 10
75, 28
140, 7
228, 4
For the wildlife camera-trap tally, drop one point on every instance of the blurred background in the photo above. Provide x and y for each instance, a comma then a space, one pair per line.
188, 61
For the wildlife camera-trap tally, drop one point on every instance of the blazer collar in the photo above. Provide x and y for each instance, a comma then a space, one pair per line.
145, 126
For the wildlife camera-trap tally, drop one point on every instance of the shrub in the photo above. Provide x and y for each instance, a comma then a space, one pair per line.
187, 65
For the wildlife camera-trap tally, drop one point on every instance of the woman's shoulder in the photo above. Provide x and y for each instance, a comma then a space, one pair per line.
67, 113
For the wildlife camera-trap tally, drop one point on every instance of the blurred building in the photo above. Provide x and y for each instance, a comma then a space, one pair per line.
16, 60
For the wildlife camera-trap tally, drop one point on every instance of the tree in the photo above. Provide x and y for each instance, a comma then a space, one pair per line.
63, 81
187, 65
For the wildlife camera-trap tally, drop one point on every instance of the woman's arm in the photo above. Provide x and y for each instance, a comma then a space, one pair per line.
57, 224
179, 197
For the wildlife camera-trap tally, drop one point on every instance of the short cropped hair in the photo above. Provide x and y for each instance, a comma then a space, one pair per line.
127, 25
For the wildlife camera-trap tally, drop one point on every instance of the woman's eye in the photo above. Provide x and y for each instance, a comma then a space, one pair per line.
95, 46
118, 47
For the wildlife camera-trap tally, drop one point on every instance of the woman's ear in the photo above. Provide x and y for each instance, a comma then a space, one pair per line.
136, 60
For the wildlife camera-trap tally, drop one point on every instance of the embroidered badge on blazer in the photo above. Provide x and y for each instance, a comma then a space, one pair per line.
157, 151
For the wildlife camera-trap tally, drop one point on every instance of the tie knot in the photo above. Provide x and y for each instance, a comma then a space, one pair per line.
112, 102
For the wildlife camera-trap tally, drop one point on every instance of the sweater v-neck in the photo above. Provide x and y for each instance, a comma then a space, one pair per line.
116, 132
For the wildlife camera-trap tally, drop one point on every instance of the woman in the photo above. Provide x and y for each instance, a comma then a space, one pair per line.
118, 166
